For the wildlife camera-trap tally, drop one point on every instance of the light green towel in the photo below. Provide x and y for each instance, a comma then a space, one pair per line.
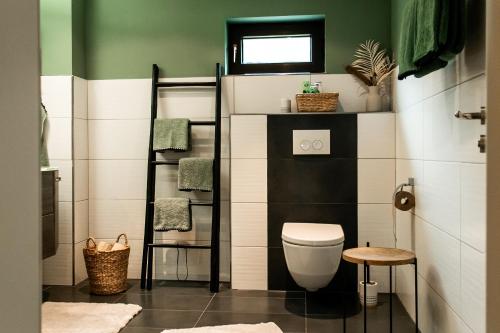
44, 155
195, 174
172, 214
171, 134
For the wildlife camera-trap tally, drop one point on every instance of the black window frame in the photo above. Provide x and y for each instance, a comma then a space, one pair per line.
236, 31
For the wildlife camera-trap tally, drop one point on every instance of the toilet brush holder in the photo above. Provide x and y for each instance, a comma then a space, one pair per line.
371, 293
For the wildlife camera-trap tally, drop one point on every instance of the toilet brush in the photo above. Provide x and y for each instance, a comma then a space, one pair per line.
371, 289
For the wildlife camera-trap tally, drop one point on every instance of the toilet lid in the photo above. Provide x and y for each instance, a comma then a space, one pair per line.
312, 234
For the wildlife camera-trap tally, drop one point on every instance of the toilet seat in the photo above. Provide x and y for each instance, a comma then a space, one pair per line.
312, 234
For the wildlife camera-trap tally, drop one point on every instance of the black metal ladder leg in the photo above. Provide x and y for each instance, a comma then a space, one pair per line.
365, 275
416, 297
150, 268
390, 299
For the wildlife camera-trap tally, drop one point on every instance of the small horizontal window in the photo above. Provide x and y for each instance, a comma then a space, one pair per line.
276, 47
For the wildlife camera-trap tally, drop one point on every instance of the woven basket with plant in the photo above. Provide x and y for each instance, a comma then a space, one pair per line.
312, 100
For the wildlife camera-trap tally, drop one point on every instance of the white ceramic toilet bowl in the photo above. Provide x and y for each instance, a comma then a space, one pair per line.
312, 252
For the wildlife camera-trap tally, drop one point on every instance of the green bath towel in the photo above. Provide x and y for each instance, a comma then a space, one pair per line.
171, 134
433, 32
195, 174
172, 214
407, 41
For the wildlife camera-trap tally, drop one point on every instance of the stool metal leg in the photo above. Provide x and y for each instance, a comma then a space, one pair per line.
390, 299
365, 269
416, 296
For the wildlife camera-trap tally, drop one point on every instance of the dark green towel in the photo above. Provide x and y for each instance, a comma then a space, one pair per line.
433, 32
407, 41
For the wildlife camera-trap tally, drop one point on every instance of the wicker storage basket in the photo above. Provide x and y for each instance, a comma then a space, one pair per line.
107, 271
322, 102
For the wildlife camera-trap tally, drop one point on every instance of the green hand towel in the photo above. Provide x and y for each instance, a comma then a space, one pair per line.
195, 174
172, 214
44, 155
171, 134
407, 41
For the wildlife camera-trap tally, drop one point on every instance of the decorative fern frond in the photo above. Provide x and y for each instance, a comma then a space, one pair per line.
372, 62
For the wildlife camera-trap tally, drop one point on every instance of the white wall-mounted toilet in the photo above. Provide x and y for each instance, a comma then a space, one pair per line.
312, 252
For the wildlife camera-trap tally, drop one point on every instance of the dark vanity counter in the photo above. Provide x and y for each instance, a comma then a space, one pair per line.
50, 178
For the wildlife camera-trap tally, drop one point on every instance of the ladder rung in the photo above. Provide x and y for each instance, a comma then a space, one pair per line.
166, 162
202, 123
182, 245
195, 203
184, 84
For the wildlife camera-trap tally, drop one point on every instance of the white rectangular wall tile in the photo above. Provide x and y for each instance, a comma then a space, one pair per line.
439, 263
80, 139
119, 139
249, 224
117, 179
80, 269
409, 132
439, 198
57, 95
80, 98
248, 136
65, 220
248, 180
249, 268
81, 220
81, 182
263, 94
109, 218
58, 269
407, 92
473, 205
375, 225
473, 283
376, 135
59, 138
119, 99
376, 180
352, 94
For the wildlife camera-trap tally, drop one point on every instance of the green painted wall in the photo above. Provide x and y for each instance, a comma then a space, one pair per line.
55, 37
186, 37
78, 35
397, 7
62, 37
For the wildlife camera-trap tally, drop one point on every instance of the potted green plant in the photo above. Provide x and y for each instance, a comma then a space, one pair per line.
372, 66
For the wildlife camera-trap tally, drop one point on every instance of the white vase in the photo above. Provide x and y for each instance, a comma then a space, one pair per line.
374, 100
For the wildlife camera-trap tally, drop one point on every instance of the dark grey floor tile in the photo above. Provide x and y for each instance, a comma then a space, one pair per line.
335, 304
261, 293
288, 323
258, 305
141, 330
160, 300
190, 288
75, 294
165, 319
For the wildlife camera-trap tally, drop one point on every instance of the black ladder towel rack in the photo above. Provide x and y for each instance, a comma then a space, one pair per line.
213, 245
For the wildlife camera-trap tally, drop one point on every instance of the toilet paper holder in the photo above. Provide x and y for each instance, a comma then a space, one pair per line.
404, 200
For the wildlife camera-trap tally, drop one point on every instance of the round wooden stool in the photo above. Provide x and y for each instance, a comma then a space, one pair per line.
382, 256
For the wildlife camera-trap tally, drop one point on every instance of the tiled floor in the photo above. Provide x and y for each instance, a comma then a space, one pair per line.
188, 304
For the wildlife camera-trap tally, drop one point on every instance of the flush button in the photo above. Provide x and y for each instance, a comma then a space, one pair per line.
317, 144
311, 142
305, 145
